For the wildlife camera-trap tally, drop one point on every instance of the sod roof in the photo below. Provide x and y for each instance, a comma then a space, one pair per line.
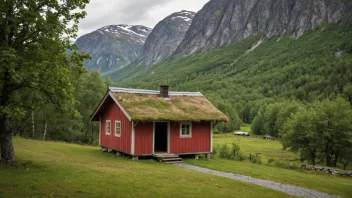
147, 105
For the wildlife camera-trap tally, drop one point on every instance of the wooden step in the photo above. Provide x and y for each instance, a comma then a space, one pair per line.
174, 162
172, 159
167, 157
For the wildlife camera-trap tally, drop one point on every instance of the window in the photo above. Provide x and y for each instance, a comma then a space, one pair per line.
118, 128
186, 130
108, 127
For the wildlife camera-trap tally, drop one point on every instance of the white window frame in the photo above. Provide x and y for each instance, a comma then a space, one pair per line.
190, 130
107, 123
117, 135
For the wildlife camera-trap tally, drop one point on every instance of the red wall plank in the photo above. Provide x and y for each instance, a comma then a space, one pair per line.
113, 113
144, 139
200, 141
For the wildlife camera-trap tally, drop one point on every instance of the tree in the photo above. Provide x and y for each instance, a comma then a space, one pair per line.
324, 128
299, 135
34, 38
346, 157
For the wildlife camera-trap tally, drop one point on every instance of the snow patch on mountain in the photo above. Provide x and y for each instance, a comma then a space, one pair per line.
182, 17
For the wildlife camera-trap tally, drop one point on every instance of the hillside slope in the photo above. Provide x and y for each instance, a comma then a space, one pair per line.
242, 77
113, 46
220, 23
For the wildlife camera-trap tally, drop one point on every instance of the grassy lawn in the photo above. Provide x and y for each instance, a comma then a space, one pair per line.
321, 182
268, 149
67, 170
245, 128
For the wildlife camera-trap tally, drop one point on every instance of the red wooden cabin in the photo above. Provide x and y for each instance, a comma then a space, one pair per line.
145, 122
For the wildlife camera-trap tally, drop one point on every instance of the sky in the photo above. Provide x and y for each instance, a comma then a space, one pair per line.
132, 12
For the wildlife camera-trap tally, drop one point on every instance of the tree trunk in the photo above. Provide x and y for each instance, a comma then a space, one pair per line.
313, 157
6, 147
45, 124
337, 154
327, 155
33, 126
344, 166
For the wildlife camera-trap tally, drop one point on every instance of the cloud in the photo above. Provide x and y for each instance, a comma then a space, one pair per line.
133, 12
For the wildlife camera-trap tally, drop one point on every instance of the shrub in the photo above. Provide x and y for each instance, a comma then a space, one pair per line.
224, 152
256, 159
215, 150
230, 152
236, 153
271, 160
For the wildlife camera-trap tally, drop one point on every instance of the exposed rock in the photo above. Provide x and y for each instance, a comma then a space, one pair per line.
222, 22
339, 53
165, 37
113, 46
327, 170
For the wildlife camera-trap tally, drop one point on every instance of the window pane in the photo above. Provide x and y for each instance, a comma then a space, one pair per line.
186, 129
117, 128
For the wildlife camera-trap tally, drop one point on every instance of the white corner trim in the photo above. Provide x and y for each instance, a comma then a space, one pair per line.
133, 139
99, 130
211, 137
153, 137
168, 137
118, 104
106, 127
118, 135
190, 130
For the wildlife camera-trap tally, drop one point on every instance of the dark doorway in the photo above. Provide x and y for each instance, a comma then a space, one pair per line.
160, 138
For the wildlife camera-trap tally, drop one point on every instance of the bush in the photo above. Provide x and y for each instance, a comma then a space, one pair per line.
278, 163
236, 153
224, 152
215, 150
230, 152
256, 159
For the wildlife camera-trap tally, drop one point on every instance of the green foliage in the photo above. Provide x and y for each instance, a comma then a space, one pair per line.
256, 159
271, 119
240, 84
232, 152
251, 145
73, 126
322, 130
34, 38
225, 151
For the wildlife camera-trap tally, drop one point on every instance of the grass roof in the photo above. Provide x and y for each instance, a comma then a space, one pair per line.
148, 107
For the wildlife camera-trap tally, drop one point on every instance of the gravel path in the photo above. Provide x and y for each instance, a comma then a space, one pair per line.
286, 188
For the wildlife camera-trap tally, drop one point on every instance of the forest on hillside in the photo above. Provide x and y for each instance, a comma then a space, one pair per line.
244, 78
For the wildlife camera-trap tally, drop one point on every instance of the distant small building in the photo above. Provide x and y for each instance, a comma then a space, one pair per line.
268, 137
145, 122
242, 133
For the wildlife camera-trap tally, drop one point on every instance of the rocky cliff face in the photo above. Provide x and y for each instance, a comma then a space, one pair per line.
113, 47
222, 22
165, 37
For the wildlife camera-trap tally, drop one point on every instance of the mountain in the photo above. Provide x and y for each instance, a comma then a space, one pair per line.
165, 37
220, 23
243, 77
113, 47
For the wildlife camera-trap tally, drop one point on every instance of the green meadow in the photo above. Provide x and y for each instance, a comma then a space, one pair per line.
272, 149
68, 170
